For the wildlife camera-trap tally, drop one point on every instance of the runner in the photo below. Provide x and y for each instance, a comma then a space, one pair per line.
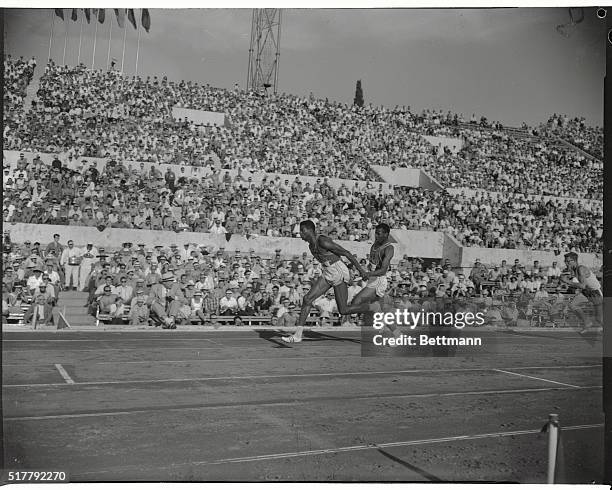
590, 291
335, 274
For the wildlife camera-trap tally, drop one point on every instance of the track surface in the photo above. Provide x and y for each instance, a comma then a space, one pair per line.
235, 406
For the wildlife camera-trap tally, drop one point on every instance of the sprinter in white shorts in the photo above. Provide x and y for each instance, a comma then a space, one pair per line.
380, 257
335, 274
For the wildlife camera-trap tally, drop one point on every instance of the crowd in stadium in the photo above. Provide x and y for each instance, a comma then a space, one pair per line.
218, 203
576, 131
188, 281
101, 113
81, 113
18, 74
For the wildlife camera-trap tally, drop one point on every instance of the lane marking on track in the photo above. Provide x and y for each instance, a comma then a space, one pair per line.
234, 360
343, 449
114, 349
278, 376
289, 402
140, 339
64, 374
535, 377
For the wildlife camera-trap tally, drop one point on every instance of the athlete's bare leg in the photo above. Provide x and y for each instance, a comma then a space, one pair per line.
362, 301
318, 289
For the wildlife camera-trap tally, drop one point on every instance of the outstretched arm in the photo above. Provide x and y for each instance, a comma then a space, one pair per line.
332, 246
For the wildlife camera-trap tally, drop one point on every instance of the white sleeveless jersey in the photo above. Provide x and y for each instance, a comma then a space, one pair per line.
592, 283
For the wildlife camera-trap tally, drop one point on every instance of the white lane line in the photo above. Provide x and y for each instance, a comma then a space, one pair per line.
140, 348
345, 449
64, 374
226, 406
233, 360
119, 340
418, 442
286, 375
535, 377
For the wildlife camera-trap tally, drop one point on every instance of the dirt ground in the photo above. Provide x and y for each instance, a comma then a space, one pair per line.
242, 406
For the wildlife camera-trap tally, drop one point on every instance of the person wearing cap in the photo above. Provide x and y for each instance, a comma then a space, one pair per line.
140, 292
228, 305
197, 305
139, 311
88, 259
35, 280
70, 260
39, 313
164, 307
51, 292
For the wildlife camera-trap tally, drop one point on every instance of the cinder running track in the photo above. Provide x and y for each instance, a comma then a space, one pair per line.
236, 406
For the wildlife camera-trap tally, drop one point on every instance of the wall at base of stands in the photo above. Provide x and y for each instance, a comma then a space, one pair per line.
472, 192
413, 243
200, 117
454, 145
112, 238
426, 181
408, 177
489, 256
452, 250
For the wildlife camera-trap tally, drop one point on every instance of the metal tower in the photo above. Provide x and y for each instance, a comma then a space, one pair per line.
265, 50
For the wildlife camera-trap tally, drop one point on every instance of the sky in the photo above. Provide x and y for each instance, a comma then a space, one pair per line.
510, 65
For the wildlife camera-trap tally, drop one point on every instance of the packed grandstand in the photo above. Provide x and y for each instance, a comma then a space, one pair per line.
101, 150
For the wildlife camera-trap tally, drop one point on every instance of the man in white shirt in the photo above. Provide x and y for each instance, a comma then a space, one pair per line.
124, 291
88, 259
71, 260
35, 280
553, 271
228, 304
326, 305
217, 228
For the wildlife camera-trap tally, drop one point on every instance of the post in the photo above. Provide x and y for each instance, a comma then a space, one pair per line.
80, 39
553, 438
125, 23
65, 41
51, 37
137, 52
110, 36
93, 57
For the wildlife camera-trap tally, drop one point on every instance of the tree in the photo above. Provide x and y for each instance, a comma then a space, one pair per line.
358, 95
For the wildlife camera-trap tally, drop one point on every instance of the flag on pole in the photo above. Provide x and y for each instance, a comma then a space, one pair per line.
132, 18
146, 19
60, 13
101, 16
120, 14
87, 15
75, 15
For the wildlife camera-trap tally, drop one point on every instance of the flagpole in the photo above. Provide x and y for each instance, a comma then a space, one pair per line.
93, 57
124, 37
80, 39
65, 41
110, 36
51, 37
137, 51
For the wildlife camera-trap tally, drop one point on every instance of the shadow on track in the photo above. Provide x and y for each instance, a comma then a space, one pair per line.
318, 336
269, 336
273, 336
416, 469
